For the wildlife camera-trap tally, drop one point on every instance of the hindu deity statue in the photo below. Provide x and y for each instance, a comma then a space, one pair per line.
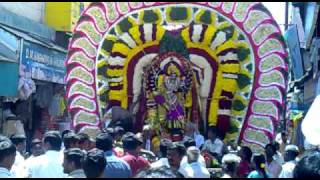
169, 81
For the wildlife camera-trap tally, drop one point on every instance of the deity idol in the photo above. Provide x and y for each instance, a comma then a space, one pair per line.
169, 84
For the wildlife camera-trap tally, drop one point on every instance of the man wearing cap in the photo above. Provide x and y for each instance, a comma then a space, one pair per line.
48, 165
291, 153
194, 169
7, 158
72, 163
131, 148
18, 167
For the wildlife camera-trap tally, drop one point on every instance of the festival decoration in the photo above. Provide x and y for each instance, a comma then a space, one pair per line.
227, 65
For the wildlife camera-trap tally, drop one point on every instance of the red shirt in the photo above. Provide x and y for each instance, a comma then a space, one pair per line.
136, 163
244, 169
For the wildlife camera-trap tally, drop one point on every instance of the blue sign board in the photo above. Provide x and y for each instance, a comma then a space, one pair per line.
42, 63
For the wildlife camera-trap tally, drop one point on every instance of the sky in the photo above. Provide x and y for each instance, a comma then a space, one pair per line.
277, 10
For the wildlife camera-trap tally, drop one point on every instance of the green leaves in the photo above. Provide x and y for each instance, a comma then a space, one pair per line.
243, 81
173, 43
243, 53
238, 105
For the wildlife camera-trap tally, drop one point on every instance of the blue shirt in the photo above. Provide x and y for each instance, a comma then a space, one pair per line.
256, 174
116, 167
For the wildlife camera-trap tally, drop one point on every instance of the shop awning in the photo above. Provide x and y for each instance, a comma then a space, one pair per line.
5, 59
34, 39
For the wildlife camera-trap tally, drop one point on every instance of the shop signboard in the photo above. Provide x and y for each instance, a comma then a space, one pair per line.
43, 63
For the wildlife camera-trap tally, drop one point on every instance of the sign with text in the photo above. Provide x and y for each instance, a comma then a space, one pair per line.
43, 63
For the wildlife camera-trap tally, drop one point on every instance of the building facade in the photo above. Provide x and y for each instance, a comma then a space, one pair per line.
32, 70
303, 39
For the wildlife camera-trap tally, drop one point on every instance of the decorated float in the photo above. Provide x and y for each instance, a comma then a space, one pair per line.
211, 63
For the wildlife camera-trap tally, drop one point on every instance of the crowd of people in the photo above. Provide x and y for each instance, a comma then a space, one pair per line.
115, 153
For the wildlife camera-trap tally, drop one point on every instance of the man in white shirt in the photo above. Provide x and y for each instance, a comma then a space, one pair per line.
36, 151
282, 139
273, 167
48, 165
194, 169
176, 151
7, 158
18, 167
278, 156
189, 142
291, 153
214, 145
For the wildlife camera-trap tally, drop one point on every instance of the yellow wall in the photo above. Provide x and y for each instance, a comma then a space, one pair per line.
63, 16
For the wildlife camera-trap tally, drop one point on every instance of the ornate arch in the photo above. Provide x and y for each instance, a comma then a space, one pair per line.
241, 36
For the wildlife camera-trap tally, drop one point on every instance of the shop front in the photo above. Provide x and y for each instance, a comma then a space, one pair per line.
45, 66
31, 84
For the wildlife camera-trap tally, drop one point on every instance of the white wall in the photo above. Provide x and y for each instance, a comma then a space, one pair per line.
31, 10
